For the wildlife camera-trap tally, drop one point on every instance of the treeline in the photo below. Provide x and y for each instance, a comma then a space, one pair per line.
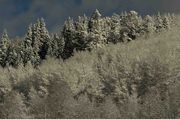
86, 33
135, 80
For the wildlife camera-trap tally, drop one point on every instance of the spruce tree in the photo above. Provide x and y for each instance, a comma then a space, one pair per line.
149, 25
12, 56
115, 27
44, 39
68, 33
159, 23
94, 23
60, 45
81, 41
4, 44
166, 22
96, 29
133, 23
29, 51
57, 46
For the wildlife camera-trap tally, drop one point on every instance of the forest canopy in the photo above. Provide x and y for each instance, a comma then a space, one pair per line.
86, 33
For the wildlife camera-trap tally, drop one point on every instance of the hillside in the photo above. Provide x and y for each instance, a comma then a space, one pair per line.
130, 80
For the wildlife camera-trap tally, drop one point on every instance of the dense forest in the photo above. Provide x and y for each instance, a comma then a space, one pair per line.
121, 67
83, 34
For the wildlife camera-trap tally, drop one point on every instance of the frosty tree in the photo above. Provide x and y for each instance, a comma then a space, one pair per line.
57, 46
96, 29
29, 53
159, 22
149, 25
4, 44
115, 27
166, 22
81, 41
44, 39
86, 33
68, 33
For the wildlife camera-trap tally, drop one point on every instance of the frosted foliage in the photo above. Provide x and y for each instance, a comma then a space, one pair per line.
86, 33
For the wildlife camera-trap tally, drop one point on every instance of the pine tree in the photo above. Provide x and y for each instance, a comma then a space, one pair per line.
166, 22
81, 41
57, 46
37, 41
28, 51
44, 39
149, 25
159, 23
96, 29
115, 27
95, 22
4, 44
68, 33
133, 23
12, 56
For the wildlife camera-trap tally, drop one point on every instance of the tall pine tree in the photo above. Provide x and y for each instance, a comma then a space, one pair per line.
4, 44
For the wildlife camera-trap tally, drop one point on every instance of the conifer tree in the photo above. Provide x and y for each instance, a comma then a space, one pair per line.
166, 22
81, 41
68, 33
115, 27
159, 23
57, 46
4, 44
149, 25
96, 36
12, 56
94, 23
38, 38
44, 39
29, 53
52, 50
133, 23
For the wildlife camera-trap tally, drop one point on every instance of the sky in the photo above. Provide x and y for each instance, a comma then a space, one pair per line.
16, 15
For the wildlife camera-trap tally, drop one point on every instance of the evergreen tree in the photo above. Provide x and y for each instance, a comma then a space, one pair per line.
68, 33
57, 46
115, 27
29, 52
81, 41
149, 25
36, 44
96, 36
166, 22
44, 39
133, 23
159, 23
94, 23
13, 58
4, 44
